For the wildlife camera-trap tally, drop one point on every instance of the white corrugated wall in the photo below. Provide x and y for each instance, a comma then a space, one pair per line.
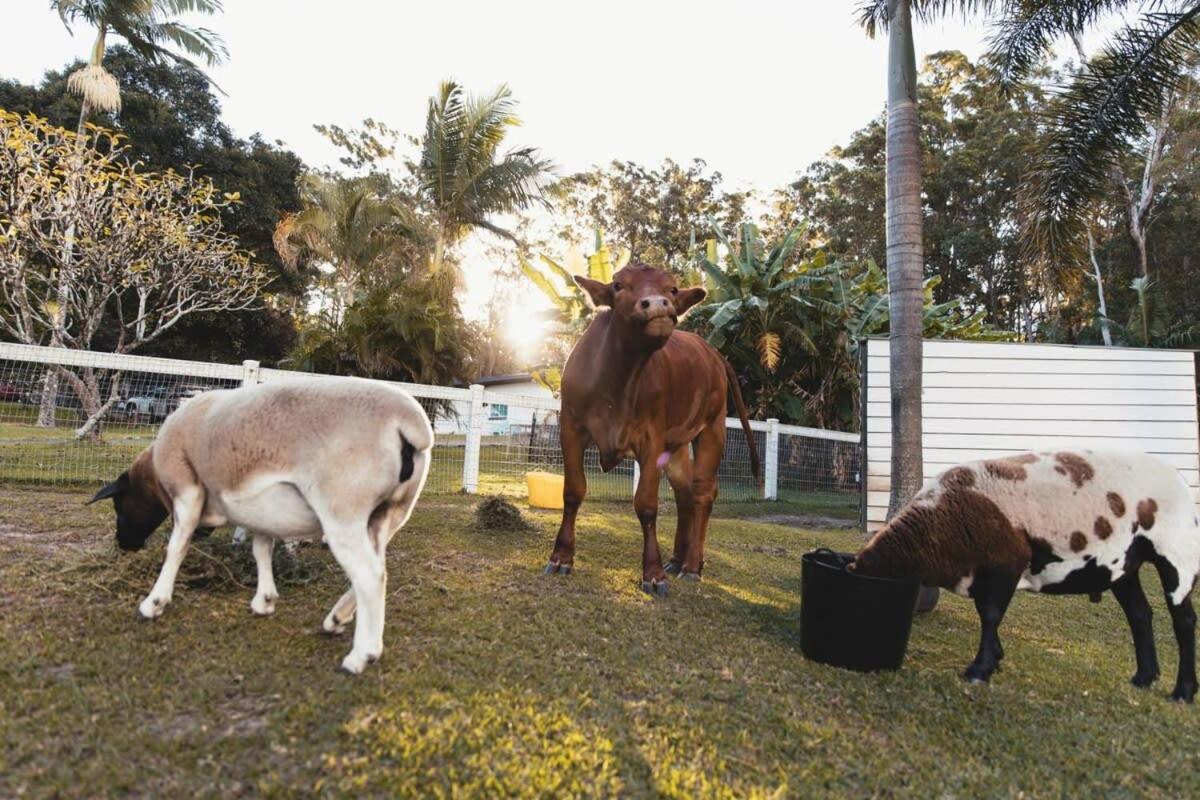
984, 399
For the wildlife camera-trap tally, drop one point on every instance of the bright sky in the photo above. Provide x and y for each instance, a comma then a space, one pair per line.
757, 89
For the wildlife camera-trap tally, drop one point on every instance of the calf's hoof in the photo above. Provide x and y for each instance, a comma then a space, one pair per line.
673, 567
263, 604
655, 588
554, 568
690, 576
1144, 680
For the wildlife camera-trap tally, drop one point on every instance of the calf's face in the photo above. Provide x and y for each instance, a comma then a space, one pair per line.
644, 299
139, 508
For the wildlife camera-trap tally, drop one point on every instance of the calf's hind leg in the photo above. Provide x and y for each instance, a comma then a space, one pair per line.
679, 473
992, 590
1128, 591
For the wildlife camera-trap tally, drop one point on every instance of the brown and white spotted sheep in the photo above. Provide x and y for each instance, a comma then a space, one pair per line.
1062, 523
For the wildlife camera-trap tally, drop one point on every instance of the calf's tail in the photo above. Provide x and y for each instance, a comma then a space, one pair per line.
736, 389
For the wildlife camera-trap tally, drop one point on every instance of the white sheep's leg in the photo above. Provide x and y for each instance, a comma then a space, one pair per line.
341, 613
239, 535
186, 512
265, 596
351, 546
383, 528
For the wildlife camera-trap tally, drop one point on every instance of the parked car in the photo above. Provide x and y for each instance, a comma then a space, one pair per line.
9, 392
160, 401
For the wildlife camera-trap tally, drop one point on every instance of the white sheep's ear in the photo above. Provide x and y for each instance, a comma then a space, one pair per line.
111, 490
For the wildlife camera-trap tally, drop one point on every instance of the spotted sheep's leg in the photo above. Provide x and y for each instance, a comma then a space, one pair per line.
574, 441
1128, 591
1183, 620
992, 590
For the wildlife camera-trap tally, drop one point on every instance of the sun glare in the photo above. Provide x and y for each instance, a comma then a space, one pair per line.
525, 331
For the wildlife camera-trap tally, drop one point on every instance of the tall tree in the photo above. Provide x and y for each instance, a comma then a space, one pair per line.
150, 28
151, 249
905, 253
463, 178
172, 119
654, 211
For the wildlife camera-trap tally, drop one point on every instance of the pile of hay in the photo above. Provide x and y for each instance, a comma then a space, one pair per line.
495, 514
213, 564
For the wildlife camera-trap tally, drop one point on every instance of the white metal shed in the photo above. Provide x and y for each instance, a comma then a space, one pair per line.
984, 399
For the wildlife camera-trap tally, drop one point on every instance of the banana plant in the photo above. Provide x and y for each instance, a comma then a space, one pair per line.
570, 304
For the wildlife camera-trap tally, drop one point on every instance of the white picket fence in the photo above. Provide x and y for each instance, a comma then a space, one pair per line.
797, 462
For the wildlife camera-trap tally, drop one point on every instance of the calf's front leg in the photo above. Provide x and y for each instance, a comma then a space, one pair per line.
645, 505
574, 441
186, 514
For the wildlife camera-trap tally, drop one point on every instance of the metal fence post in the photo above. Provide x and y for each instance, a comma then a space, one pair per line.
470, 477
250, 372
771, 478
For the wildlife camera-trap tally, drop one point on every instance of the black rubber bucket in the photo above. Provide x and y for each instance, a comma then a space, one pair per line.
850, 620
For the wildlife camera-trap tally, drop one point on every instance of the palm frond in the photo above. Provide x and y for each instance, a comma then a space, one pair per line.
873, 14
1094, 118
1023, 36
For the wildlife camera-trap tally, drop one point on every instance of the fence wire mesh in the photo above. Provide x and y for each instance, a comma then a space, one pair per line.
108, 408
84, 424
826, 474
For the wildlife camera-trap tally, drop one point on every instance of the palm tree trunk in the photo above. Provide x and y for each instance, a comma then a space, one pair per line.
905, 261
47, 418
905, 255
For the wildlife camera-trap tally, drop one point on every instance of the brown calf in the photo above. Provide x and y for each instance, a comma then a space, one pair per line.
636, 387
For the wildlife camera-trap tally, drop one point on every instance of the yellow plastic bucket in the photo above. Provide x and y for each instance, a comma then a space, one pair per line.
545, 489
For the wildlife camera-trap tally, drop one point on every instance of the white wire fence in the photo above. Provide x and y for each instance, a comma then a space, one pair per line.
106, 408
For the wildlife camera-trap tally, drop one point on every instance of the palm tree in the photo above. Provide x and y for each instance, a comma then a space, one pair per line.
151, 30
463, 177
355, 230
905, 255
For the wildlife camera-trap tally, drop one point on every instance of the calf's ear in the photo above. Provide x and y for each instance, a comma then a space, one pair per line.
601, 293
112, 489
686, 298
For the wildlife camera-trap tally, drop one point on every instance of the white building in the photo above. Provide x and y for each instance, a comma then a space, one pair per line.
501, 418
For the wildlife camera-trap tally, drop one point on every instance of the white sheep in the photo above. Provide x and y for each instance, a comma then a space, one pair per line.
1061, 523
341, 458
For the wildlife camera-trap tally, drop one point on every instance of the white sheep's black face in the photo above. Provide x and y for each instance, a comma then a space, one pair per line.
139, 513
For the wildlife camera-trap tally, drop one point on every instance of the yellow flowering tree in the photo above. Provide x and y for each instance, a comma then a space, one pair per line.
148, 248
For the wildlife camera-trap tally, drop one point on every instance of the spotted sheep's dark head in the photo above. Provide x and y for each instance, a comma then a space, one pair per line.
646, 302
138, 503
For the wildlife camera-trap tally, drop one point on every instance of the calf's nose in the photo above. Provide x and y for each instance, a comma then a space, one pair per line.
659, 301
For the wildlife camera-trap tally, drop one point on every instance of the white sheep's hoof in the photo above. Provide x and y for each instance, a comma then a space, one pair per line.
355, 662
263, 604
152, 607
332, 627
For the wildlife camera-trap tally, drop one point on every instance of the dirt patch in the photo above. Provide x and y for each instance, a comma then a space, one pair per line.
808, 522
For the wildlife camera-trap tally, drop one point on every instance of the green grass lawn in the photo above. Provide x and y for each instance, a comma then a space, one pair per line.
500, 681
